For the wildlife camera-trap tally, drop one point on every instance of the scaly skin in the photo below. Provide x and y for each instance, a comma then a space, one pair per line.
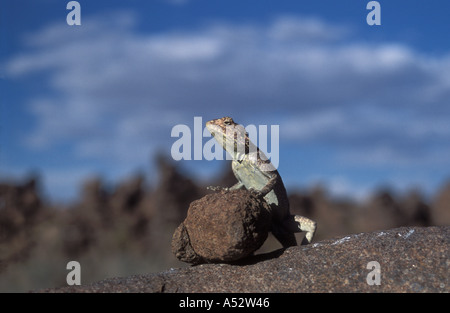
255, 172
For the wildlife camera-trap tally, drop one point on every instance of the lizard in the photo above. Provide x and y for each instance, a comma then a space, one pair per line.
255, 172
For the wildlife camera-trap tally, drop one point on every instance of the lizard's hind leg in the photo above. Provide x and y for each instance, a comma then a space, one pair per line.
297, 223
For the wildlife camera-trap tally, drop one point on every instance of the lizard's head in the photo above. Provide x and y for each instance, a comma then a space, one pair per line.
220, 123
228, 133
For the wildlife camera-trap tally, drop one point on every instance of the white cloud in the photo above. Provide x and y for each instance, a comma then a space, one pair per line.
118, 92
340, 186
292, 29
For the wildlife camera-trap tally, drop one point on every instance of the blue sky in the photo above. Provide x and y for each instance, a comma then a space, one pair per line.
358, 106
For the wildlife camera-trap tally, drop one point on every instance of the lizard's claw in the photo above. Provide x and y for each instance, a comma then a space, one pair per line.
257, 193
216, 188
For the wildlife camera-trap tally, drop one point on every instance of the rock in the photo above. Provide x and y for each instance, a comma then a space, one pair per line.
181, 247
411, 259
440, 213
222, 227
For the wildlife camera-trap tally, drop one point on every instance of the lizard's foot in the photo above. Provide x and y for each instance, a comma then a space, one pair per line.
307, 225
257, 193
217, 188
297, 223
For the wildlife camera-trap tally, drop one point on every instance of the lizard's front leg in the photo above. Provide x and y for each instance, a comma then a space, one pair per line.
269, 186
236, 186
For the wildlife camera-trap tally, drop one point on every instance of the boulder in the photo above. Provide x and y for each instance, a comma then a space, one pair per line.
222, 227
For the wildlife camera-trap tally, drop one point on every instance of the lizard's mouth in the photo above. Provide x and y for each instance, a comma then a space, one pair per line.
218, 133
213, 129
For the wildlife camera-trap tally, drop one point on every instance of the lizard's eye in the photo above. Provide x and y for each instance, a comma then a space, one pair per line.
228, 121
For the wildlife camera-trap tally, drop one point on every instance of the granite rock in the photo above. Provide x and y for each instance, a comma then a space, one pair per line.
411, 259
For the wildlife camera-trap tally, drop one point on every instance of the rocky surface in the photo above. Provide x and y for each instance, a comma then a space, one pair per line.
222, 227
412, 259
